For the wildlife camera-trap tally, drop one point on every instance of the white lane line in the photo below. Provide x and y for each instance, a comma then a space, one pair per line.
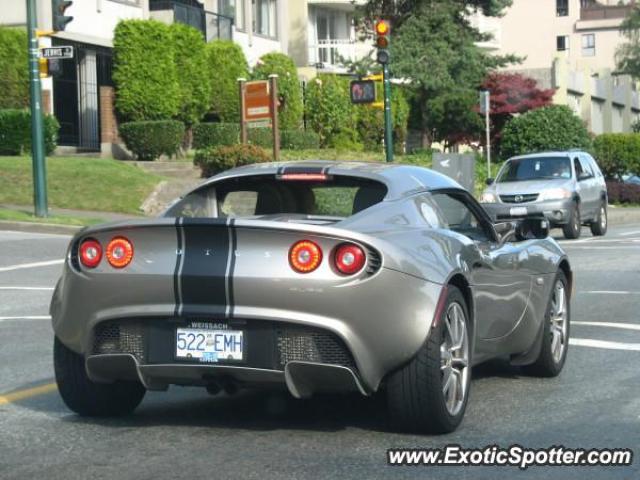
585, 342
31, 265
48, 289
627, 234
589, 247
624, 326
31, 317
610, 292
34, 234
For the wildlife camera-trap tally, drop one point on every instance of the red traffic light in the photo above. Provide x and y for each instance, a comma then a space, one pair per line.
383, 27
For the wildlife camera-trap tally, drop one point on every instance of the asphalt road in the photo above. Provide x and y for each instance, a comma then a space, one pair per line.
185, 433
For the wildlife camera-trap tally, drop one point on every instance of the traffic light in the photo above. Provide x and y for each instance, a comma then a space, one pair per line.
60, 20
383, 29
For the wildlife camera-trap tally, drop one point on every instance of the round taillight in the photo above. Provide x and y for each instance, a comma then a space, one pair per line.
349, 258
90, 253
305, 256
119, 252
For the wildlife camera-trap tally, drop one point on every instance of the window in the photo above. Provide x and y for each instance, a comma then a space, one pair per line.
264, 17
562, 8
456, 216
562, 43
233, 9
589, 45
535, 168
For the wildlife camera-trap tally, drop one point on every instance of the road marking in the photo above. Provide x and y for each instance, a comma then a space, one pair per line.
585, 342
49, 289
624, 326
611, 292
604, 248
627, 234
31, 265
27, 393
31, 317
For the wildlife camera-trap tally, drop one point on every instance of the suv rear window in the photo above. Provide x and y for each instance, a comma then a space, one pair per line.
535, 168
335, 197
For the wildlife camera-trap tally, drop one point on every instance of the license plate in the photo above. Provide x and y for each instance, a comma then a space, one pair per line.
209, 345
518, 211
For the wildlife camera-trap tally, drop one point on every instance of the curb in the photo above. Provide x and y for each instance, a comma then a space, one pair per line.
623, 215
39, 227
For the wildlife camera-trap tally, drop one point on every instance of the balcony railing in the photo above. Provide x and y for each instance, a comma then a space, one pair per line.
334, 52
212, 25
604, 12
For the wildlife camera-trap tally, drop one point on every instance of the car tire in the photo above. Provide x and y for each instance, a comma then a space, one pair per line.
573, 227
557, 323
416, 394
600, 224
88, 398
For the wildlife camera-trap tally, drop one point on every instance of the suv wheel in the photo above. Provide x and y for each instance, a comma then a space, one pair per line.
573, 227
600, 224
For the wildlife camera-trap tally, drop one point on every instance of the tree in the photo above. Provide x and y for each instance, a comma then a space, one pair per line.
14, 74
144, 71
289, 89
511, 94
549, 128
628, 54
227, 63
194, 81
433, 47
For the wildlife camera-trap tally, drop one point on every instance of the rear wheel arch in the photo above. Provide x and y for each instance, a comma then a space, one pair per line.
458, 280
568, 273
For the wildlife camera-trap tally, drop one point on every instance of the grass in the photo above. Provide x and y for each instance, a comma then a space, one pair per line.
22, 216
79, 183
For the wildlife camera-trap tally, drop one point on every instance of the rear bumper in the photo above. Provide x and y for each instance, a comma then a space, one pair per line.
555, 211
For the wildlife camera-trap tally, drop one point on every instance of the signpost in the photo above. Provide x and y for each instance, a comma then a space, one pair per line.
55, 53
258, 107
485, 108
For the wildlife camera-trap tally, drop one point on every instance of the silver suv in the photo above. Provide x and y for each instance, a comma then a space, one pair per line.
567, 187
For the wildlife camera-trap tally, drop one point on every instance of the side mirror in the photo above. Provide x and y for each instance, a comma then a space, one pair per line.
506, 231
584, 176
489, 181
532, 228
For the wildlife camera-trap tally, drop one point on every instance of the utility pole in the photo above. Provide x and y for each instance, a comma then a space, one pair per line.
383, 29
37, 133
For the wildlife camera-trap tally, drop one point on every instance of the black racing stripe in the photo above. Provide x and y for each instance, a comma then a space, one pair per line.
232, 267
203, 276
176, 279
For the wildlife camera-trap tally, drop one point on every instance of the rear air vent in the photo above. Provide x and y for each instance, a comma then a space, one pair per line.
311, 345
374, 263
120, 337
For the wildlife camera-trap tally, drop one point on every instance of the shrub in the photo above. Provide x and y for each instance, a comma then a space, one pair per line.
288, 87
148, 140
14, 74
226, 63
215, 134
619, 192
144, 71
299, 140
214, 160
260, 136
549, 128
618, 153
15, 132
329, 110
194, 81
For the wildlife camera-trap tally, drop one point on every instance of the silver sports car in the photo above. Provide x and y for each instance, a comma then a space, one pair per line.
315, 277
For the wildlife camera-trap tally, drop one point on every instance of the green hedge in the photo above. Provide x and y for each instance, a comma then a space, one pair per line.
214, 160
288, 87
329, 110
149, 140
144, 71
549, 128
226, 63
15, 132
194, 80
299, 140
215, 134
14, 73
261, 136
618, 153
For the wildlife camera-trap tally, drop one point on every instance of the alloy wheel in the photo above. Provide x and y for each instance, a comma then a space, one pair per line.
454, 359
558, 321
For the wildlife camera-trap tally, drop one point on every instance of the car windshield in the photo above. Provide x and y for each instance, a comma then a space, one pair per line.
535, 168
300, 198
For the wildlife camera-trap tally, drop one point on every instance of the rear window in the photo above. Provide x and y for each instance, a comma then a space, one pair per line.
267, 195
535, 168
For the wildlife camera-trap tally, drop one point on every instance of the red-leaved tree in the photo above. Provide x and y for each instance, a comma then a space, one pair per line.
511, 94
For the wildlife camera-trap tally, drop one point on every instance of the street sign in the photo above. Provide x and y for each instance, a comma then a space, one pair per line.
56, 52
363, 91
485, 99
257, 101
